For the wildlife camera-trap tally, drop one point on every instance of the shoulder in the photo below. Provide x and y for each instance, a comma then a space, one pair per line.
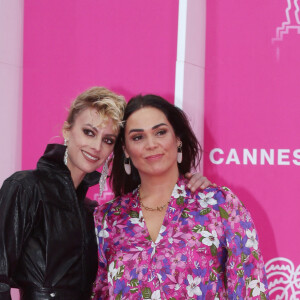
222, 194
113, 207
216, 199
230, 199
20, 190
25, 180
231, 210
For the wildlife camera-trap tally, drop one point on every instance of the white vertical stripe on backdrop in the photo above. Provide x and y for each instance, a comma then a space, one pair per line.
11, 71
190, 63
181, 45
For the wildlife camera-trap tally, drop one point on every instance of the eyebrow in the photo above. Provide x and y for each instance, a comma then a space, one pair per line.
154, 127
96, 129
111, 135
90, 125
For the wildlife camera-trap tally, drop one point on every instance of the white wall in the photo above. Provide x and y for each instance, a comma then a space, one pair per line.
190, 64
11, 70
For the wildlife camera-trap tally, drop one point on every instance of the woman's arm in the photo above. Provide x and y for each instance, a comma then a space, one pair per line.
100, 288
245, 272
14, 203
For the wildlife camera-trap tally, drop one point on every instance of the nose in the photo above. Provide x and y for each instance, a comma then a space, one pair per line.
96, 144
151, 143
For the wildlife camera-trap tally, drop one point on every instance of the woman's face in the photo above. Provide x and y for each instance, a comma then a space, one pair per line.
89, 141
150, 142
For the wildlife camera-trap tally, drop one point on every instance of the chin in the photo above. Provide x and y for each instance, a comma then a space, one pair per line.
157, 172
93, 170
89, 169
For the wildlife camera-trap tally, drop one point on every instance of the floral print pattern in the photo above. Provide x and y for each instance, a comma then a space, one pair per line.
207, 248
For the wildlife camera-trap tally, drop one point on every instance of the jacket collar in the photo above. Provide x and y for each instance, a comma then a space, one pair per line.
54, 158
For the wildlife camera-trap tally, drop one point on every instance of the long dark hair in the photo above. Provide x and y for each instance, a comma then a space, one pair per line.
191, 149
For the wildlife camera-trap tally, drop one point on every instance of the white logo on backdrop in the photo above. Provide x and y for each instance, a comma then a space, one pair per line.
279, 157
292, 23
106, 196
283, 279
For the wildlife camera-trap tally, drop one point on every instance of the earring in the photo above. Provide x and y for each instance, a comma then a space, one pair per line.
66, 152
103, 177
127, 165
179, 153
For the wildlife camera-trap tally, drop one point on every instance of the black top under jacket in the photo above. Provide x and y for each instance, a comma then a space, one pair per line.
48, 247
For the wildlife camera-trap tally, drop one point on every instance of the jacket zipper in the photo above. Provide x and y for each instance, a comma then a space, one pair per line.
83, 233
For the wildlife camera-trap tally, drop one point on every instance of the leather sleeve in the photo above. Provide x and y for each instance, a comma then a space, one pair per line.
15, 223
4, 291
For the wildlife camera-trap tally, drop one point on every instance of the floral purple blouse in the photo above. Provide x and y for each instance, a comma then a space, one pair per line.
207, 248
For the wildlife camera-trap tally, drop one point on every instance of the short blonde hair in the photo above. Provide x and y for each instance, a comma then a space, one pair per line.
107, 103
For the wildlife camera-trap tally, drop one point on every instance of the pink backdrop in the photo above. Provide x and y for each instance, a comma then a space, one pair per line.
128, 46
252, 102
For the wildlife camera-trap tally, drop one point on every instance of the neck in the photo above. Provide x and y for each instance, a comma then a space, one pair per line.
76, 178
77, 181
158, 187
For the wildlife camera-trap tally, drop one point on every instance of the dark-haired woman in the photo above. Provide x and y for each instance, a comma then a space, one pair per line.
158, 240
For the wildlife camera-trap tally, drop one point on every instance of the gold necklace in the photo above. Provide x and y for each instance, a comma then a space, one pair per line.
158, 208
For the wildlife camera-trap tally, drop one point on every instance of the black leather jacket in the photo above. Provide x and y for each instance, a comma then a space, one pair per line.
48, 247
